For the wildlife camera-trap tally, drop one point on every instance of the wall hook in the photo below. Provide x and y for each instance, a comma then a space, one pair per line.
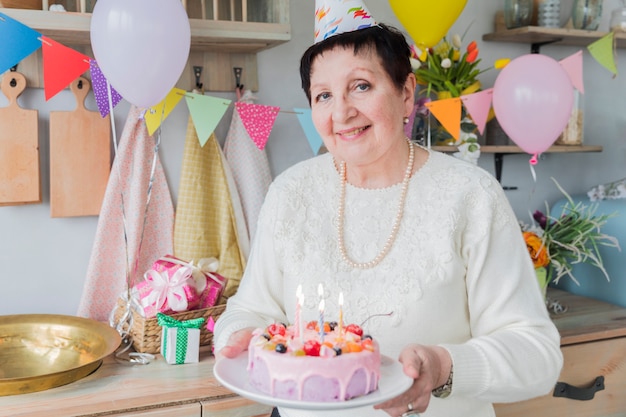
238, 71
13, 82
197, 72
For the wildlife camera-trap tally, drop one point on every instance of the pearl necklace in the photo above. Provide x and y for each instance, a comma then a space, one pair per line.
396, 223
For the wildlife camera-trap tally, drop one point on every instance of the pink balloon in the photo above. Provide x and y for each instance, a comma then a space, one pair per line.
532, 98
141, 46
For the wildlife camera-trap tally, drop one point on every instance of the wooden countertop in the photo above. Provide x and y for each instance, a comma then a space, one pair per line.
118, 388
587, 319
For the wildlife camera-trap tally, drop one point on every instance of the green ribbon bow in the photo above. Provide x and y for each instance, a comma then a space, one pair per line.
181, 334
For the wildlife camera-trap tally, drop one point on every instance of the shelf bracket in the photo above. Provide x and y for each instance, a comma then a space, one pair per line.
498, 159
535, 47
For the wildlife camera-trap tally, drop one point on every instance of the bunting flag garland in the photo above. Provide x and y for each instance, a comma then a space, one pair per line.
448, 112
258, 120
101, 88
157, 114
602, 51
250, 168
61, 66
24, 42
573, 65
478, 105
306, 121
206, 112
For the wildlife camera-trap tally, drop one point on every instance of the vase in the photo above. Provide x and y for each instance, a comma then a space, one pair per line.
435, 134
517, 13
586, 14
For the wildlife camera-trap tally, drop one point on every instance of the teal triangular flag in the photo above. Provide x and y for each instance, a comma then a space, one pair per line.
18, 41
306, 121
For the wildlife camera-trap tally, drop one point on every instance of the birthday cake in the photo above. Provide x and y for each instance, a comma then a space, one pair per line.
334, 365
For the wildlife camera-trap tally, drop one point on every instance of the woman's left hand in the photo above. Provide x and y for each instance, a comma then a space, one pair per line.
429, 366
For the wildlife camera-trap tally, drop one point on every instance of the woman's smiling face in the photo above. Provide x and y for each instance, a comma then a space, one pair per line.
355, 106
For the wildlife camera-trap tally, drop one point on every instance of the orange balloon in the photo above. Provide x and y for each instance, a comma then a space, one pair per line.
427, 21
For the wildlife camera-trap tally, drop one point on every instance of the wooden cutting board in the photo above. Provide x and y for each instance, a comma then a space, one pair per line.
19, 147
80, 157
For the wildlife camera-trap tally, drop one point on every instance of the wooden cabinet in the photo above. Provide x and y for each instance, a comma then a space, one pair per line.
217, 46
153, 390
593, 341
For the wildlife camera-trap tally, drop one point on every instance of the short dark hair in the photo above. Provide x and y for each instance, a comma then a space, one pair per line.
388, 42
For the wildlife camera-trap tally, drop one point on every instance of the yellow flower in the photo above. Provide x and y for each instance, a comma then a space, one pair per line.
501, 63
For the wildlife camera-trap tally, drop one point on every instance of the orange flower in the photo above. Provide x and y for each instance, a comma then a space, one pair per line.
472, 55
536, 249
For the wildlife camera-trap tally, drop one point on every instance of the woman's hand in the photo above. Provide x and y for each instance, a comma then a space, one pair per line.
429, 366
237, 343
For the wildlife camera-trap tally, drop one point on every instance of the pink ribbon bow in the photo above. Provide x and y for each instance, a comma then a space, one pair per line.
168, 289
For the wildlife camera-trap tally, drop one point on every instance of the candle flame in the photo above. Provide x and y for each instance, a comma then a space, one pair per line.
322, 305
341, 298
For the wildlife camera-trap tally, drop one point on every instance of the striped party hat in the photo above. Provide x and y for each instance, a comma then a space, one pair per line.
333, 17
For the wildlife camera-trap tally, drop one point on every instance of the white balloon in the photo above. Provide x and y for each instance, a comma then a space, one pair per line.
141, 46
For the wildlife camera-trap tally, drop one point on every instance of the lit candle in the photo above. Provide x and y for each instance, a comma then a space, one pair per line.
340, 313
322, 320
297, 321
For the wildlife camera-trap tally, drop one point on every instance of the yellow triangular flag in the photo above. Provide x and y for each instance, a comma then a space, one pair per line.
602, 51
448, 112
155, 115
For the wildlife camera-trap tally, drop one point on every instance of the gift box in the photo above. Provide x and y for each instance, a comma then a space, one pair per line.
173, 285
147, 334
180, 340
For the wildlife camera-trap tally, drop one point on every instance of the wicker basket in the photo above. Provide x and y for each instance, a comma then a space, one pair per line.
146, 332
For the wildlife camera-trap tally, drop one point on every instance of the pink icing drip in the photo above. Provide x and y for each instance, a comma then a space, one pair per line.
287, 367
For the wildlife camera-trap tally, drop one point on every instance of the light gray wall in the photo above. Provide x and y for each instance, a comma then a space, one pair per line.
43, 261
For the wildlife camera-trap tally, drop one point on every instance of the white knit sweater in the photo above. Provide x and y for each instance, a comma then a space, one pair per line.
458, 275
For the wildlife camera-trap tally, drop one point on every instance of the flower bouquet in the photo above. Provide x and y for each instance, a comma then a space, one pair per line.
574, 237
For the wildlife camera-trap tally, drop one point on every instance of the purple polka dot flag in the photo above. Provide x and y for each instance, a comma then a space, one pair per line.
258, 120
100, 92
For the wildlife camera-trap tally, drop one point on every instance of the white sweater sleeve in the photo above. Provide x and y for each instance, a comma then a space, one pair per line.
514, 353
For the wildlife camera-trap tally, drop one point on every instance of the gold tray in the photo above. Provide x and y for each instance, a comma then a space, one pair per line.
42, 351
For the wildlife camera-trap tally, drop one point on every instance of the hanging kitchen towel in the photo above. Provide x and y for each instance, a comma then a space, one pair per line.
249, 166
149, 227
207, 212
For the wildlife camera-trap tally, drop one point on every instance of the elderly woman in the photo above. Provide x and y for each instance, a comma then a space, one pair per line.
425, 247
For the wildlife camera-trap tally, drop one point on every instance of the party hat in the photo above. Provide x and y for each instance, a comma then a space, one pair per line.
333, 17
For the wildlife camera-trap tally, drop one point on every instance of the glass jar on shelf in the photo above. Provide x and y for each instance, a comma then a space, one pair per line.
573, 132
586, 14
618, 19
517, 13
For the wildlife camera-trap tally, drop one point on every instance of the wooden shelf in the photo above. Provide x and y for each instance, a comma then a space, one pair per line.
512, 149
206, 35
499, 152
556, 36
217, 46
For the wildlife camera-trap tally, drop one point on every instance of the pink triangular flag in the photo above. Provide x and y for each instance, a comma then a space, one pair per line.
478, 105
258, 121
573, 65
